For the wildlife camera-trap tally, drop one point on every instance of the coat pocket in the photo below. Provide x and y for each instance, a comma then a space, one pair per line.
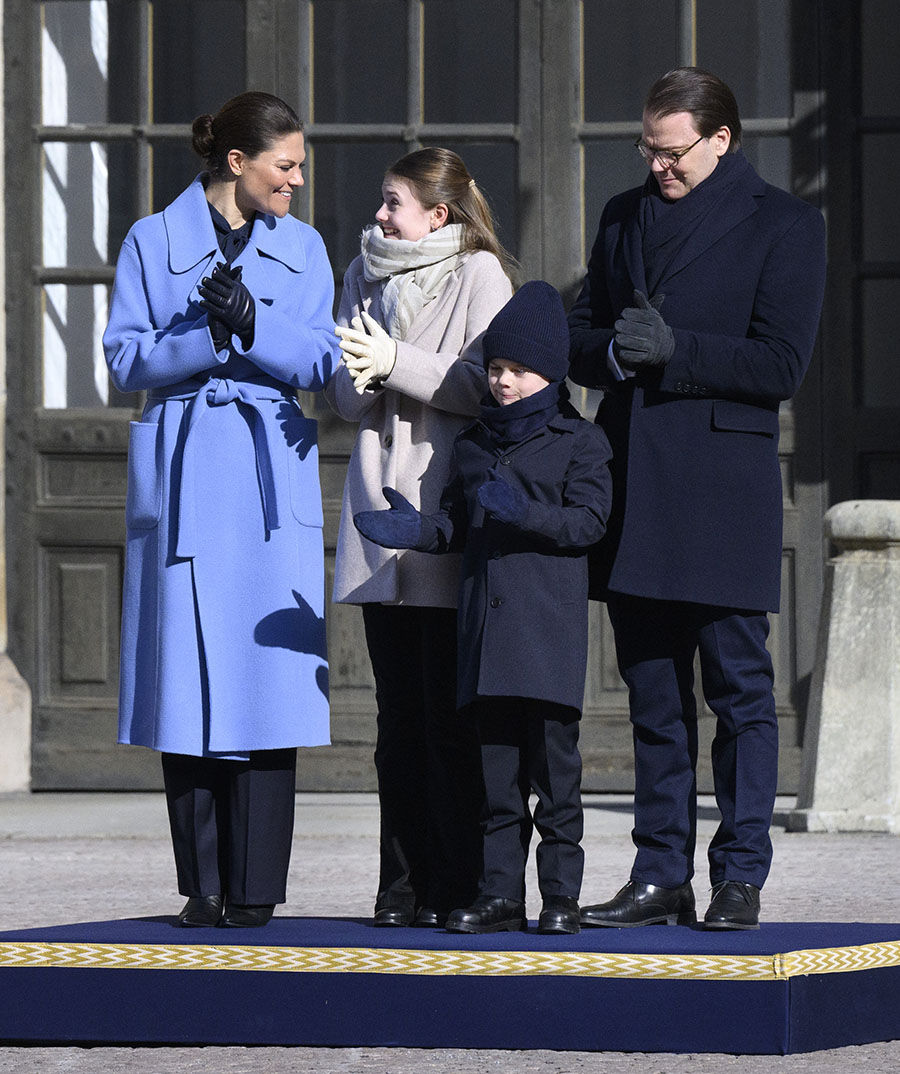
143, 502
303, 470
731, 416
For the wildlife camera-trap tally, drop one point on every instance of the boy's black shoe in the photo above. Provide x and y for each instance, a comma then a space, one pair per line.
488, 913
559, 913
735, 905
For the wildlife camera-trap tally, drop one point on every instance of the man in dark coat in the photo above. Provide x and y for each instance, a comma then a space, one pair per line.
529, 494
697, 317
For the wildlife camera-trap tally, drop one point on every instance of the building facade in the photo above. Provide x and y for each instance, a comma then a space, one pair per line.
543, 100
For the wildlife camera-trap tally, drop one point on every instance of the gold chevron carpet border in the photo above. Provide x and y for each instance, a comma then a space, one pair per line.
449, 963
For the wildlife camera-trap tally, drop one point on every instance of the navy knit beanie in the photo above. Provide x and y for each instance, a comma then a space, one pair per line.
531, 330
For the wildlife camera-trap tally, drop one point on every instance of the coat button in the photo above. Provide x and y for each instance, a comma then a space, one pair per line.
496, 602
388, 440
505, 460
496, 555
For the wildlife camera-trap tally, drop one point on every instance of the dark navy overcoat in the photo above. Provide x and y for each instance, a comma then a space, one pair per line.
697, 502
523, 595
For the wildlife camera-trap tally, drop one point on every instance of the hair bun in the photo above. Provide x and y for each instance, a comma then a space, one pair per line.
203, 140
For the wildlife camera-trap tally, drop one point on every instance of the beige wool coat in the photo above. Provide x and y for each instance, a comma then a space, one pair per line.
407, 428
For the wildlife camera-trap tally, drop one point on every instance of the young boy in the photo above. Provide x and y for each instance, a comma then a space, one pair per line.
529, 494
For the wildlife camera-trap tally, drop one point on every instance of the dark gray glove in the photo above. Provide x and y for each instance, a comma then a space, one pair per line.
643, 339
226, 299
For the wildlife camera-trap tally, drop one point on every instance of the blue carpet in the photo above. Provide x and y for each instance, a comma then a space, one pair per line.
338, 981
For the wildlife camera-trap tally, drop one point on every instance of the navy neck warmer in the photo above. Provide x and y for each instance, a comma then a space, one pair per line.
516, 421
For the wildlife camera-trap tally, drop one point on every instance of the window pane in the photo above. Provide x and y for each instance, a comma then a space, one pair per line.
748, 45
347, 193
74, 62
87, 202
198, 57
628, 44
881, 225
360, 50
175, 165
74, 367
879, 66
771, 156
494, 168
609, 168
470, 61
881, 330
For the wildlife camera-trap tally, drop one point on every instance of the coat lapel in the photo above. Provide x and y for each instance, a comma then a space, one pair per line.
731, 210
193, 249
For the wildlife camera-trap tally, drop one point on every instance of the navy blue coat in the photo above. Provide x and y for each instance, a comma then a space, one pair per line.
523, 594
697, 500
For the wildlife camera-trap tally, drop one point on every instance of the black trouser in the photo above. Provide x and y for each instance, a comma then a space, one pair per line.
656, 641
232, 824
427, 761
526, 746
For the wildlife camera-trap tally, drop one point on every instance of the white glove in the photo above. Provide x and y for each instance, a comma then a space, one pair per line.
369, 352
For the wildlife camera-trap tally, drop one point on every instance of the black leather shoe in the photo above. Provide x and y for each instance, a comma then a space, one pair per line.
247, 917
393, 917
735, 905
427, 918
559, 914
201, 912
643, 904
488, 913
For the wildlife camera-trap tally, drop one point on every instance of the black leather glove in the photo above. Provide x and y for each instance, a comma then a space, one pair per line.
400, 527
220, 332
500, 499
643, 339
225, 298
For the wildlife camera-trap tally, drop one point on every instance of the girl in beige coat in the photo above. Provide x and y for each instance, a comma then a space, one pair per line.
415, 304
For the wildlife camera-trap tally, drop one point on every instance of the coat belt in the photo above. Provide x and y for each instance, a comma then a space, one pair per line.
220, 391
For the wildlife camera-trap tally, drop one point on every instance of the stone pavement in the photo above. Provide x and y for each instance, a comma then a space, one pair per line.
82, 857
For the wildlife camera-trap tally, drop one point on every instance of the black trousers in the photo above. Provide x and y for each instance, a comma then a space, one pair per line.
232, 824
656, 642
526, 746
427, 761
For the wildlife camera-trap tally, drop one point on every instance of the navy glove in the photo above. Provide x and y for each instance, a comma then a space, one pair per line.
505, 503
643, 339
225, 298
400, 527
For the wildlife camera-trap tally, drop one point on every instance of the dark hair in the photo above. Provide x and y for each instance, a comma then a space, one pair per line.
439, 175
706, 97
250, 122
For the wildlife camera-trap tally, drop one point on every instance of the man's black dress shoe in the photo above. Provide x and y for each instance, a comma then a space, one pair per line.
201, 912
427, 918
735, 905
643, 904
247, 917
488, 913
393, 917
559, 914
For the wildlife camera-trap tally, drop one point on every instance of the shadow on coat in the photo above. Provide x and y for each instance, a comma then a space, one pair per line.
297, 628
299, 431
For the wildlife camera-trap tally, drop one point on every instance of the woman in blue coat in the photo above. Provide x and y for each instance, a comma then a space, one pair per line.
221, 310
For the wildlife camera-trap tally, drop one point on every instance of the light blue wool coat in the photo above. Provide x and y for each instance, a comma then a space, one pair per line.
223, 630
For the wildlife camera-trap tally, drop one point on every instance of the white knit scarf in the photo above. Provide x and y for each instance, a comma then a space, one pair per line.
413, 273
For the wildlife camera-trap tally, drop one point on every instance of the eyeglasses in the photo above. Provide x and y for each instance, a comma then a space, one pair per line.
667, 158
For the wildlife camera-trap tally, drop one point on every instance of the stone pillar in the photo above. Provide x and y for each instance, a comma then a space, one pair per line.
15, 697
851, 748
